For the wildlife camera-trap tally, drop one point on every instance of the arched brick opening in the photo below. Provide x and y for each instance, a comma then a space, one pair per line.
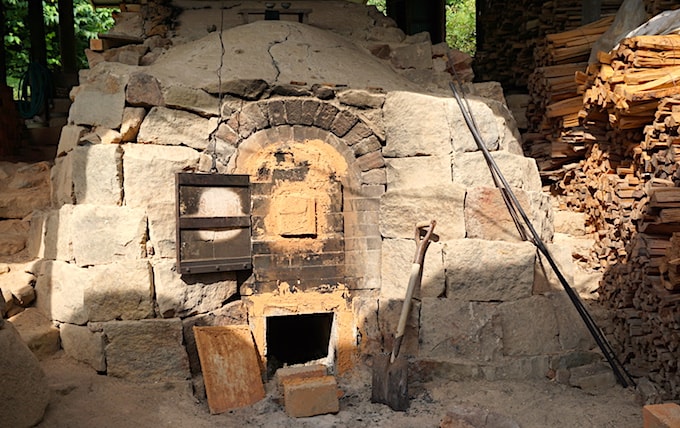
311, 164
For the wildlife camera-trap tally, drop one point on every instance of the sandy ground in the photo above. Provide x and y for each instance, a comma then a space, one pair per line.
82, 398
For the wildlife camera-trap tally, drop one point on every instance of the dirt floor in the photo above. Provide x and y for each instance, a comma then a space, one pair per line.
82, 398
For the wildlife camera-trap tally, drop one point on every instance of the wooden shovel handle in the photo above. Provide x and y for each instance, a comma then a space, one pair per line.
415, 278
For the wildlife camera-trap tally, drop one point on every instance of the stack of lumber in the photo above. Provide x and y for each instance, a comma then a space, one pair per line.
556, 138
570, 46
634, 198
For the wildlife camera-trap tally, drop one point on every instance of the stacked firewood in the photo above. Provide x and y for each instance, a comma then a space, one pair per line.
633, 197
556, 137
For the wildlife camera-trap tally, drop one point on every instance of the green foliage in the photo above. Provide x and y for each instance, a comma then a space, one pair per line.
87, 22
460, 23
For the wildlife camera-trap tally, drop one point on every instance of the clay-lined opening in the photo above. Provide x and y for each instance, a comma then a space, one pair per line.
297, 339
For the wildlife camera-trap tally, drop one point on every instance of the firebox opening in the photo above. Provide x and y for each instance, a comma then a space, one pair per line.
297, 339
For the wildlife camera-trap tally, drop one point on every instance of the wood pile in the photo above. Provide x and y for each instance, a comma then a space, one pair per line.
556, 137
634, 198
508, 32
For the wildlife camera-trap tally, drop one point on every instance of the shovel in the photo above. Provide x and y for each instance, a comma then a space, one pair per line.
390, 372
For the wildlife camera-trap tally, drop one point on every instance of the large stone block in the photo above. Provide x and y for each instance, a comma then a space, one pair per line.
401, 209
180, 296
176, 127
471, 170
546, 280
146, 350
573, 334
191, 99
37, 331
451, 328
113, 233
417, 55
70, 138
487, 215
485, 119
397, 258
530, 327
150, 172
101, 99
97, 174
24, 394
83, 344
60, 290
61, 177
415, 172
162, 229
489, 271
50, 234
122, 290
415, 125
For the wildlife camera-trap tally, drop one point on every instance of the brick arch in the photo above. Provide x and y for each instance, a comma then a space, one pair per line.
361, 203
298, 118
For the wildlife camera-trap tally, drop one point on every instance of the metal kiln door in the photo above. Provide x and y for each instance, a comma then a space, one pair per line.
213, 223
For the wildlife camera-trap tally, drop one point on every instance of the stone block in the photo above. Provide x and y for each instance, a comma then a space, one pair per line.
19, 282
374, 176
471, 170
176, 128
361, 98
25, 393
101, 99
529, 327
180, 296
113, 233
37, 331
121, 290
144, 90
286, 374
107, 135
366, 145
487, 216
665, 415
97, 174
162, 229
487, 271
311, 396
451, 329
416, 55
150, 172
70, 138
395, 270
132, 121
414, 125
51, 234
593, 378
60, 290
192, 100
370, 161
546, 280
402, 209
518, 368
416, 172
146, 351
83, 344
61, 178
389, 311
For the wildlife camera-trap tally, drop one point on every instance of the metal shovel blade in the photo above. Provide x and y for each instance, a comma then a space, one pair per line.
390, 382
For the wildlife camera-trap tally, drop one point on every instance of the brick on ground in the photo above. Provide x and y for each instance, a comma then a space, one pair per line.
666, 415
311, 396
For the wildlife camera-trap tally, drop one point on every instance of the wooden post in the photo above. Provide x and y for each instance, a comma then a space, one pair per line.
36, 26
67, 37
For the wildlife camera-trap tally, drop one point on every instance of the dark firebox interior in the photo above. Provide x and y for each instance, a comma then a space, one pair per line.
296, 339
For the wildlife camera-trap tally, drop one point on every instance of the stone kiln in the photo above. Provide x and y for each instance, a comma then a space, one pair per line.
343, 153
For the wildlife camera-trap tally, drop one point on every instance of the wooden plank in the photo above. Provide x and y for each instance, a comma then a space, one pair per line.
230, 366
